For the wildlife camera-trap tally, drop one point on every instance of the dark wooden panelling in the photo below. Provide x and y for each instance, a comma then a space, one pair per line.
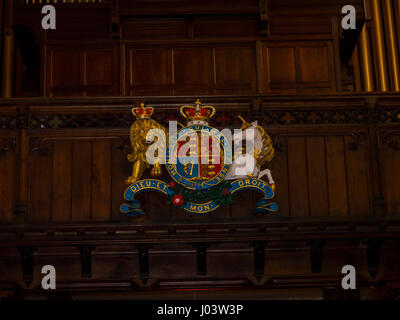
61, 185
149, 71
84, 71
120, 170
7, 185
193, 71
215, 268
90, 23
243, 207
98, 73
81, 181
298, 180
307, 28
63, 72
157, 206
154, 29
235, 69
281, 64
317, 179
390, 159
299, 66
318, 74
101, 180
178, 214
336, 176
357, 179
314, 64
225, 27
279, 169
295, 26
40, 185
200, 70
177, 7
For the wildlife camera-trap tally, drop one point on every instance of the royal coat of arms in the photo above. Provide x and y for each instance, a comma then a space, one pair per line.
207, 166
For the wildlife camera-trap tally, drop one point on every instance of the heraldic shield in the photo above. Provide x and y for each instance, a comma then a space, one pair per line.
207, 166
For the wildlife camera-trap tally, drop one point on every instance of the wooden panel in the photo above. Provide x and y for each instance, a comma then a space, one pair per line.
65, 75
101, 180
234, 264
193, 71
183, 7
235, 69
279, 171
317, 179
150, 71
91, 71
336, 176
390, 159
121, 169
225, 27
298, 183
283, 24
281, 64
81, 180
157, 207
178, 214
7, 185
40, 185
61, 192
314, 64
80, 22
99, 72
299, 66
242, 207
154, 29
357, 180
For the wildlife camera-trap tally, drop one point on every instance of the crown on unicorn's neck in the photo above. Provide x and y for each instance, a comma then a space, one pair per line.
142, 112
197, 112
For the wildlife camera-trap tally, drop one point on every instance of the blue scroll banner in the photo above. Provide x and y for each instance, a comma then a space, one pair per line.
133, 207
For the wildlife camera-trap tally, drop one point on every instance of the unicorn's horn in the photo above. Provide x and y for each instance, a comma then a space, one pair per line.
245, 123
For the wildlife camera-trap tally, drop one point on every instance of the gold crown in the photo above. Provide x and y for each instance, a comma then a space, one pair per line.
142, 112
197, 112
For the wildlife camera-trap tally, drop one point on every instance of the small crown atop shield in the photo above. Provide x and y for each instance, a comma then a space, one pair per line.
142, 112
197, 112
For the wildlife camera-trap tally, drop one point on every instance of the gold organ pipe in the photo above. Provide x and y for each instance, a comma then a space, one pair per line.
356, 66
365, 57
379, 46
392, 45
397, 19
8, 63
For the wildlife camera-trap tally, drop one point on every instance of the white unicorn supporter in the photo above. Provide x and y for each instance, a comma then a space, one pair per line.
252, 150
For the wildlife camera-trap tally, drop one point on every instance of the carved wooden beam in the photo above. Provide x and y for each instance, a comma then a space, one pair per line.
358, 139
7, 145
70, 2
